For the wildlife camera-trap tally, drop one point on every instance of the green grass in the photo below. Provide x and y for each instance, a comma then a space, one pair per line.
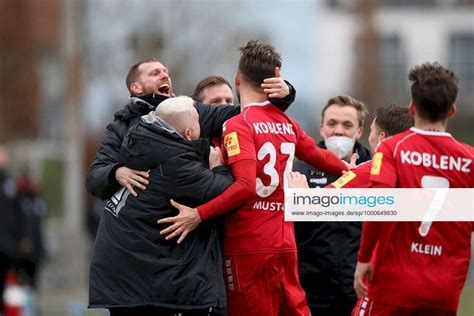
466, 306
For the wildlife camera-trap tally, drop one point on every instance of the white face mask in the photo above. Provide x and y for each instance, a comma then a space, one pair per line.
341, 146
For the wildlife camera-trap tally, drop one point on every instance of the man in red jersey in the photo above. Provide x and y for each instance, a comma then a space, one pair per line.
259, 246
407, 279
389, 120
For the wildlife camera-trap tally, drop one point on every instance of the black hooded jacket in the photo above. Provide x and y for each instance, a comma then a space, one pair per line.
100, 180
132, 264
327, 251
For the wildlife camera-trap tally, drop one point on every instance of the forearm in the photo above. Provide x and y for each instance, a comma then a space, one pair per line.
211, 118
237, 194
324, 160
284, 103
101, 182
371, 232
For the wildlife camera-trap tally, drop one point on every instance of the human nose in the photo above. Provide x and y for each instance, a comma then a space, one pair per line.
339, 131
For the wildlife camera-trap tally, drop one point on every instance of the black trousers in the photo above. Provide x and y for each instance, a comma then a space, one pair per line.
158, 311
4, 267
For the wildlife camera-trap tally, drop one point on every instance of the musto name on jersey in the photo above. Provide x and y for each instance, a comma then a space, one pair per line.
436, 161
268, 206
274, 128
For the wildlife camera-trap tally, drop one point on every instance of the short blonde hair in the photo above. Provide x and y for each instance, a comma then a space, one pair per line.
177, 112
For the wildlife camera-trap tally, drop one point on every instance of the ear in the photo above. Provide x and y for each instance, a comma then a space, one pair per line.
452, 111
412, 109
359, 133
382, 136
136, 88
187, 134
237, 79
321, 130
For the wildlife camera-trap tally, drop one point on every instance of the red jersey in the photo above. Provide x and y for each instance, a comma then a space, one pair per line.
421, 266
264, 134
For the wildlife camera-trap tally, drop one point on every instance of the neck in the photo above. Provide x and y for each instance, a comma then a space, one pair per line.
250, 96
439, 126
153, 98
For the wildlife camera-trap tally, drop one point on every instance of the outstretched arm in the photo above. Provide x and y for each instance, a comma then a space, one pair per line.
211, 117
241, 191
280, 92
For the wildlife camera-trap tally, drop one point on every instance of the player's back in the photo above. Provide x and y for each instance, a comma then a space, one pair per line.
259, 226
432, 160
432, 257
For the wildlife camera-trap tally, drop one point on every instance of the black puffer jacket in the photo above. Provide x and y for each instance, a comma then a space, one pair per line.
100, 180
132, 264
327, 251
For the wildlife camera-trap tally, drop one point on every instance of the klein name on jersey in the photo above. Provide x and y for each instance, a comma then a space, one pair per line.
437, 162
273, 128
268, 206
431, 250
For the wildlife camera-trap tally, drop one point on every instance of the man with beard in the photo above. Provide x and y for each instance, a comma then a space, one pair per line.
149, 83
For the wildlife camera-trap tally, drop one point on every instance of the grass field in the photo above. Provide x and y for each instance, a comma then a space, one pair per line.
466, 306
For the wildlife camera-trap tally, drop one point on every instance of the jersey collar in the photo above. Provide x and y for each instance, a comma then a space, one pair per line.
258, 104
422, 132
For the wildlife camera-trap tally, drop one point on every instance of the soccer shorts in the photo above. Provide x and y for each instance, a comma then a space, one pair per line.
368, 307
264, 285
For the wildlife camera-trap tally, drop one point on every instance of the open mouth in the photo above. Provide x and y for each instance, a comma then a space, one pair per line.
164, 89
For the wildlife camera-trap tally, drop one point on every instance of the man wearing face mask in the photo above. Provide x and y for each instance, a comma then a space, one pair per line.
327, 251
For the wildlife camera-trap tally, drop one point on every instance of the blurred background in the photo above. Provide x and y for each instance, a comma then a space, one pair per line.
62, 76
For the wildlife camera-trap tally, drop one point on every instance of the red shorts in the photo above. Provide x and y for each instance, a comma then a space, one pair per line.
368, 307
264, 285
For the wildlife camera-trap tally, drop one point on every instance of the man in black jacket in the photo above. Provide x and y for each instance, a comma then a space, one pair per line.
134, 270
11, 221
327, 251
149, 84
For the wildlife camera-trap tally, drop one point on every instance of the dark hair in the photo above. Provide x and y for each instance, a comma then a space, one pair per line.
345, 100
257, 62
392, 119
433, 91
208, 82
134, 73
